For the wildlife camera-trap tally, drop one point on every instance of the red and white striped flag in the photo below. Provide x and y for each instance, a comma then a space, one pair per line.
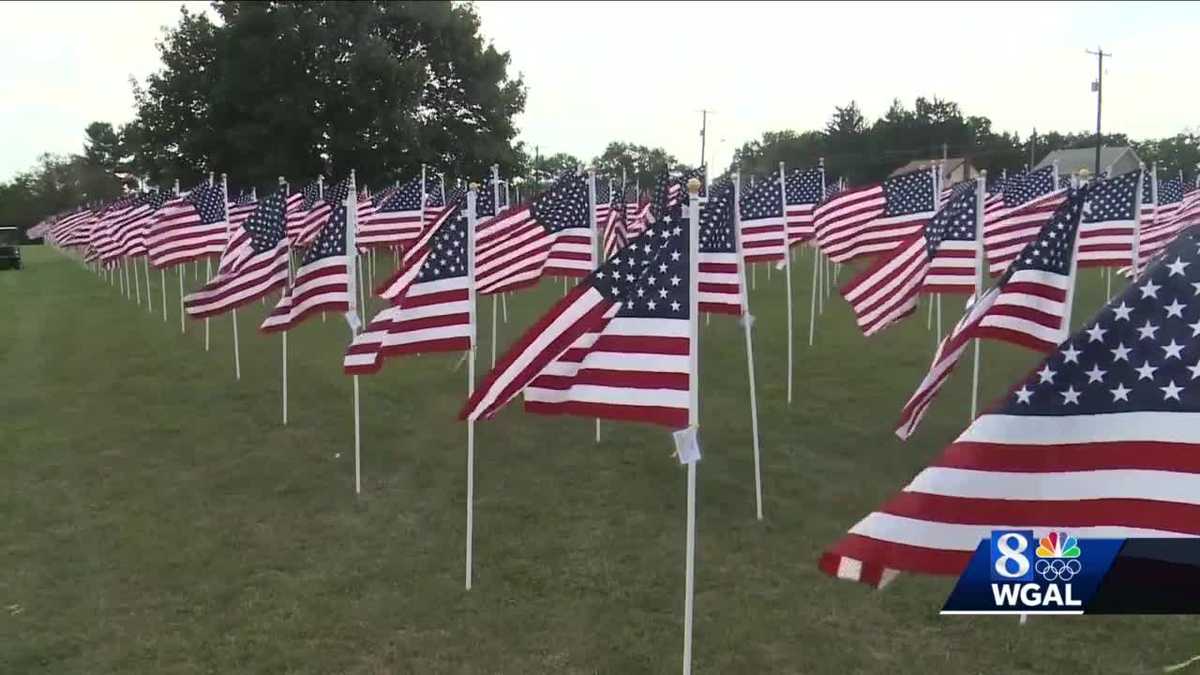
308, 212
550, 236
875, 219
1029, 306
1029, 201
1101, 440
397, 219
763, 226
719, 284
431, 303
254, 262
127, 233
1106, 232
188, 227
617, 346
322, 282
939, 259
804, 189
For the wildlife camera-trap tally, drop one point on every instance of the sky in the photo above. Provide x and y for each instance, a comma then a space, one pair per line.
642, 72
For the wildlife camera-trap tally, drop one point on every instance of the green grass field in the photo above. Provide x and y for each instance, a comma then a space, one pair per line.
158, 518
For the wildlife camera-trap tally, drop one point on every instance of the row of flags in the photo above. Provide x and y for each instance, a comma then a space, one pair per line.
1097, 428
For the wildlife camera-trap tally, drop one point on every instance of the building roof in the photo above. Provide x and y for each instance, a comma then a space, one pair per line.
949, 165
1076, 159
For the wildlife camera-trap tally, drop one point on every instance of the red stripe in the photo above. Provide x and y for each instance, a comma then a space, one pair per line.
675, 418
877, 555
589, 321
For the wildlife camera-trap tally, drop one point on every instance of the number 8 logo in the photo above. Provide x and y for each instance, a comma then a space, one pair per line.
1012, 555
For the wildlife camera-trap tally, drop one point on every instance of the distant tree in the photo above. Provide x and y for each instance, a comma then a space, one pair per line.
641, 164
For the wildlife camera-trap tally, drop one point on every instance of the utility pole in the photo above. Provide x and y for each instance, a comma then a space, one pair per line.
1033, 148
1098, 87
703, 134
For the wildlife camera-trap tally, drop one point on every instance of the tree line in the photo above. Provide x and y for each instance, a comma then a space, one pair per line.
306, 88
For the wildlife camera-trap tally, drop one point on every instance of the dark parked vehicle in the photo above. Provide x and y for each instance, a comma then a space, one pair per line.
10, 249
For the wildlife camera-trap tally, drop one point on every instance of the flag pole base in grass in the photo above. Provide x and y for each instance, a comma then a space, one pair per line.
357, 442
689, 569
237, 354
285, 382
182, 323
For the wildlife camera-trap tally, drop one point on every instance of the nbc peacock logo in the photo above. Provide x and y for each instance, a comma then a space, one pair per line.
1058, 554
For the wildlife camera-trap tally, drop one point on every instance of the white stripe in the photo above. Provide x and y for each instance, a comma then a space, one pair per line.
1167, 427
627, 396
1163, 486
955, 537
571, 315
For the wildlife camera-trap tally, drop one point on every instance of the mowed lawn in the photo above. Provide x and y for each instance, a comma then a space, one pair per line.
158, 518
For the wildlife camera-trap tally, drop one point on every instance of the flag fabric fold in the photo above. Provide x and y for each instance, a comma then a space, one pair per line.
1098, 440
254, 262
617, 346
875, 219
1029, 306
322, 282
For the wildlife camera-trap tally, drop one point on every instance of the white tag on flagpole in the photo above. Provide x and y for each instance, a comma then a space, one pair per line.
687, 445
746, 320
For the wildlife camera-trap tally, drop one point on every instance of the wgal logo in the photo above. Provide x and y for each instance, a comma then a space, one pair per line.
1026, 577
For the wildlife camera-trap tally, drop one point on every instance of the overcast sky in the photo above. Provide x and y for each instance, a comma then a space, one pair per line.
642, 72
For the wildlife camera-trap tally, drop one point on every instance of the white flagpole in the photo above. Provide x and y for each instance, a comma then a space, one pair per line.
179, 268
693, 418
748, 319
1066, 324
980, 277
495, 212
146, 266
207, 275
182, 324
137, 286
351, 205
162, 279
283, 356
237, 353
816, 280
472, 197
593, 226
787, 277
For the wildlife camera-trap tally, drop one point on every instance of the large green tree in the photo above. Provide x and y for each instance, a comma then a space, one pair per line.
303, 88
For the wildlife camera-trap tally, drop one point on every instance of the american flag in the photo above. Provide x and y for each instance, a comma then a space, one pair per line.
614, 226
1097, 441
307, 214
719, 283
1106, 231
128, 233
189, 227
1029, 202
550, 236
254, 262
604, 197
875, 219
485, 202
617, 346
804, 189
322, 280
633, 212
940, 259
1027, 307
397, 219
1171, 217
763, 233
1148, 204
242, 208
435, 196
72, 229
431, 309
100, 236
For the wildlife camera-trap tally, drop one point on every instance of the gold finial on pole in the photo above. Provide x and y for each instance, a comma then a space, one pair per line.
694, 186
